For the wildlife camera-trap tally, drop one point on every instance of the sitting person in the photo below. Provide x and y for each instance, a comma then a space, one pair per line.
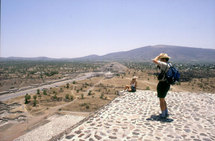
133, 85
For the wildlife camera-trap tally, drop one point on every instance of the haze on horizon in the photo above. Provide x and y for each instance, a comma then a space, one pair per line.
75, 28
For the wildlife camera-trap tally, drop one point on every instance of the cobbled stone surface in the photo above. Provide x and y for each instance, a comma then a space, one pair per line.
134, 117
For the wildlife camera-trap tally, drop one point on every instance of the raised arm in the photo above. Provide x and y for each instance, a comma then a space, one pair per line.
156, 59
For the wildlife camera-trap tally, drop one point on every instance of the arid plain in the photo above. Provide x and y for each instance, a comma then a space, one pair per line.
78, 96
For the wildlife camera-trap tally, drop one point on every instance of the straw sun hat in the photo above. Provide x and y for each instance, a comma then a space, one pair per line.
134, 77
164, 55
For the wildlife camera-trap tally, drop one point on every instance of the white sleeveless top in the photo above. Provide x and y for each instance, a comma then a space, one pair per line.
133, 85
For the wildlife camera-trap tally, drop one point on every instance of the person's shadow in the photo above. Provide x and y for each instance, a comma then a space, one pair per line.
158, 118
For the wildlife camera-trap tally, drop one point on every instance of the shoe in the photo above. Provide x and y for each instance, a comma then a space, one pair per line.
167, 115
162, 117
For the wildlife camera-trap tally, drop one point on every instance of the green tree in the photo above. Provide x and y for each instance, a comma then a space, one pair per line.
27, 98
35, 100
55, 96
35, 103
90, 92
82, 96
44, 92
102, 95
38, 91
67, 85
67, 96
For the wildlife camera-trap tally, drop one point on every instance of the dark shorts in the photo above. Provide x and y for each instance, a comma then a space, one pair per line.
133, 89
162, 89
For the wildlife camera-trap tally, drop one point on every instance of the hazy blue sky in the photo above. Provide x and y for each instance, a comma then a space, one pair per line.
74, 28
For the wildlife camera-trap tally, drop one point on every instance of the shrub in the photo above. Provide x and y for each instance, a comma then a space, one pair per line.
82, 96
71, 97
67, 85
102, 95
89, 93
147, 88
35, 102
200, 85
38, 91
44, 92
67, 96
117, 92
83, 104
54, 97
27, 98
73, 82
87, 106
51, 73
61, 89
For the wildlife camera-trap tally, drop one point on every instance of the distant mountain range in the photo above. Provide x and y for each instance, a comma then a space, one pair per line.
27, 58
177, 53
144, 54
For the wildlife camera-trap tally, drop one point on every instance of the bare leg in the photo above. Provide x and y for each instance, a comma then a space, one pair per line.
162, 104
126, 87
129, 90
165, 104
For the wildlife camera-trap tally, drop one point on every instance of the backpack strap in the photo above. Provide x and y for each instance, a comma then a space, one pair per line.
168, 64
164, 72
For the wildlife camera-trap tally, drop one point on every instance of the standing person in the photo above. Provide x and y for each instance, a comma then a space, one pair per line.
133, 85
163, 86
